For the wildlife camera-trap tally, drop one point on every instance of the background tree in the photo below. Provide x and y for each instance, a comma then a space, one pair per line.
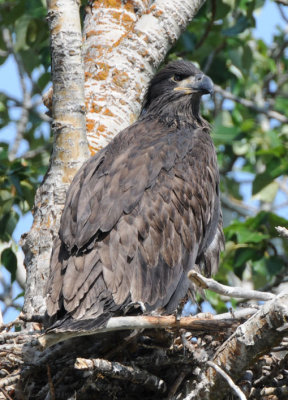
248, 115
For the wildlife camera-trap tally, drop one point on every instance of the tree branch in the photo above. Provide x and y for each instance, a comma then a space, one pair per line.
257, 336
120, 371
198, 323
283, 2
26, 101
238, 292
282, 231
250, 104
230, 382
123, 47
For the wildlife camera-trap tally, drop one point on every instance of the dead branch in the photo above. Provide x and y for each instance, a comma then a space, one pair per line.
230, 382
255, 337
10, 379
238, 292
195, 324
282, 231
120, 371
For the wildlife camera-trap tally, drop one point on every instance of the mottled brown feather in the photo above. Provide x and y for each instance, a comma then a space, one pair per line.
138, 215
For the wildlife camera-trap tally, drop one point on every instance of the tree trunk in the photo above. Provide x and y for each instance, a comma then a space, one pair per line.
70, 147
125, 42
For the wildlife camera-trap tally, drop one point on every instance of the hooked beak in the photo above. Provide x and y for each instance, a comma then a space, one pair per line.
199, 83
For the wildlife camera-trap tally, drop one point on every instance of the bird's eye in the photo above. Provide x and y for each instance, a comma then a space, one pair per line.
178, 78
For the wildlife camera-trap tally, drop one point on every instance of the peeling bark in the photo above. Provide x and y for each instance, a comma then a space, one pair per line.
70, 147
124, 44
256, 337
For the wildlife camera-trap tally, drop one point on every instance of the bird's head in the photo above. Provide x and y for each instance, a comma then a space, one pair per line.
178, 83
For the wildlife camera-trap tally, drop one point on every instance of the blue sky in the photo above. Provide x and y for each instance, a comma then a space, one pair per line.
267, 21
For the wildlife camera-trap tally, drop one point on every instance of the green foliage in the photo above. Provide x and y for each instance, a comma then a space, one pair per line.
256, 241
25, 39
9, 260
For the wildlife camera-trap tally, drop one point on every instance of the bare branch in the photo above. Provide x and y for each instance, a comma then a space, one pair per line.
282, 12
9, 379
238, 292
120, 371
230, 382
209, 26
7, 396
195, 324
235, 205
35, 152
26, 102
283, 2
252, 105
282, 231
263, 331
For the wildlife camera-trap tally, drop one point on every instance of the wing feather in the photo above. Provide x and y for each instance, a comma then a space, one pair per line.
136, 218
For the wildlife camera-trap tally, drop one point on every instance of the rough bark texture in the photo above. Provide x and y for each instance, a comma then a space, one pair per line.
124, 44
256, 337
69, 150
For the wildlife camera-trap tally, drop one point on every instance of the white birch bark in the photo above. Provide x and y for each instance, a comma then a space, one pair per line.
70, 147
124, 44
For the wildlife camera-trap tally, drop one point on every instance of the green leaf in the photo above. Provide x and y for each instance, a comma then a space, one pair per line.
9, 260
21, 28
8, 223
43, 80
222, 9
245, 254
224, 134
274, 265
245, 235
268, 193
274, 169
241, 24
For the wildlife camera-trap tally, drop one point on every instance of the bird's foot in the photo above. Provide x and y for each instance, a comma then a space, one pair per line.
134, 306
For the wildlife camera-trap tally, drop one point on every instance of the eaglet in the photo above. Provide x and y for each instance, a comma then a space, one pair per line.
141, 213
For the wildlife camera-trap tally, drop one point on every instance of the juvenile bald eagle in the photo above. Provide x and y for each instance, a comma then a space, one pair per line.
142, 212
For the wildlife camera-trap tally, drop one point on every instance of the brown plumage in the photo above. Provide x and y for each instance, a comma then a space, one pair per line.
142, 212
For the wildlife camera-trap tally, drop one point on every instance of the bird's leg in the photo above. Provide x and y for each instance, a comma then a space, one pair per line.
180, 307
135, 305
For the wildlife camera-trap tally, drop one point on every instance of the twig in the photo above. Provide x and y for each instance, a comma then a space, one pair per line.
120, 371
176, 385
236, 205
209, 26
282, 231
7, 396
35, 152
50, 382
282, 12
238, 292
8, 326
250, 104
283, 2
10, 379
230, 382
26, 103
